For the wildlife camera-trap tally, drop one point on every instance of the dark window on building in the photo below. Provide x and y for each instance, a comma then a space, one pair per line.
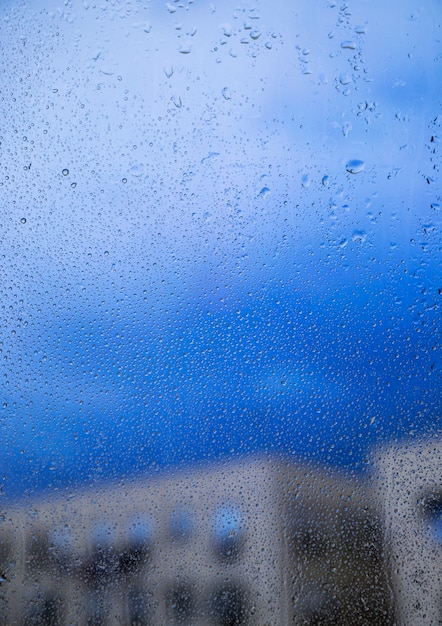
95, 609
102, 565
433, 516
180, 603
137, 547
38, 549
44, 611
228, 533
139, 607
228, 606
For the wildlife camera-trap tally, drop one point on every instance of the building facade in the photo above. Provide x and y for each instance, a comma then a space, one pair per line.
255, 541
410, 492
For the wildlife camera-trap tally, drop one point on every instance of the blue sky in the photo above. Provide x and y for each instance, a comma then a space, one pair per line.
189, 269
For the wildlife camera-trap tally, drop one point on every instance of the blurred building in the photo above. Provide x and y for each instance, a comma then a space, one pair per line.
257, 541
410, 490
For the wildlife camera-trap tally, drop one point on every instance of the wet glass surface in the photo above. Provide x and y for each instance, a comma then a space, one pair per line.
221, 278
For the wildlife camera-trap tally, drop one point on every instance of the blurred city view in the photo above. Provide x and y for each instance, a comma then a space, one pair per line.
251, 541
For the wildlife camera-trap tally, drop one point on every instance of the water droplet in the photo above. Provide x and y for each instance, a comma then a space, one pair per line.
136, 170
65, 172
343, 242
211, 155
345, 79
255, 34
226, 93
305, 181
185, 48
177, 101
361, 30
226, 29
168, 70
73, 185
346, 128
124, 180
355, 166
265, 191
326, 181
268, 45
359, 236
349, 45
23, 220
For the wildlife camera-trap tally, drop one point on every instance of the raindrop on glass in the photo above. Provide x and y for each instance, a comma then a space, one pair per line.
355, 166
359, 236
265, 191
349, 45
185, 48
226, 29
345, 79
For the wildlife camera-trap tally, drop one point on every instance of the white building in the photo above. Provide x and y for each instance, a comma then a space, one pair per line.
410, 490
257, 541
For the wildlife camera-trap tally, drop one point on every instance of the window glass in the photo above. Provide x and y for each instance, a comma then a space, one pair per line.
221, 280
433, 513
228, 532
